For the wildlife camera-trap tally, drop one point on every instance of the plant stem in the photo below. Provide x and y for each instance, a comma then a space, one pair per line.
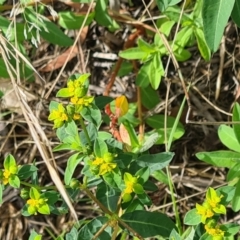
175, 209
104, 209
85, 131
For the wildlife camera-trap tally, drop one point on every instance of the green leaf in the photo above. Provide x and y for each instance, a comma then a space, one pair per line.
100, 148
236, 198
125, 69
164, 4
34, 236
236, 118
92, 114
2, 1
143, 76
102, 101
146, 47
143, 174
108, 196
149, 224
178, 133
231, 229
220, 158
215, 14
133, 53
202, 45
102, 17
26, 171
33, 193
49, 31
183, 37
235, 12
114, 178
149, 141
155, 161
64, 92
51, 196
156, 71
72, 235
192, 218
233, 172
72, 163
70, 20
71, 128
92, 133
91, 228
55, 35
9, 162
149, 97
157, 121
182, 54
44, 209
228, 138
161, 176
3, 69
165, 28
62, 146
174, 235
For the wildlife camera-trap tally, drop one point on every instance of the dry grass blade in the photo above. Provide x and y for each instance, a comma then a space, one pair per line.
37, 133
70, 53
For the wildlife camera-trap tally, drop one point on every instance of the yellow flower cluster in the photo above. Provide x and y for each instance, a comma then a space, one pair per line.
207, 210
59, 116
216, 232
103, 165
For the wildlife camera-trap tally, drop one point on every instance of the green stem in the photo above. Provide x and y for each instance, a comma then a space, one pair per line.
85, 131
175, 209
37, 187
104, 209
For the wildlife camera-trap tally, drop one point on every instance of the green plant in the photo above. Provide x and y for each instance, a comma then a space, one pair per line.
121, 178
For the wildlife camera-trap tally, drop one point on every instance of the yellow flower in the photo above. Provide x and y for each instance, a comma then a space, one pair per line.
6, 176
76, 116
59, 116
8, 173
106, 168
216, 232
37, 203
102, 165
82, 101
205, 211
129, 187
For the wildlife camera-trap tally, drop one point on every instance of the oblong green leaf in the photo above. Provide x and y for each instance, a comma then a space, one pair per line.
100, 148
55, 36
155, 161
149, 97
133, 53
202, 45
149, 224
236, 118
220, 158
72, 163
91, 228
156, 71
235, 13
215, 14
236, 198
228, 138
70, 20
108, 196
192, 218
